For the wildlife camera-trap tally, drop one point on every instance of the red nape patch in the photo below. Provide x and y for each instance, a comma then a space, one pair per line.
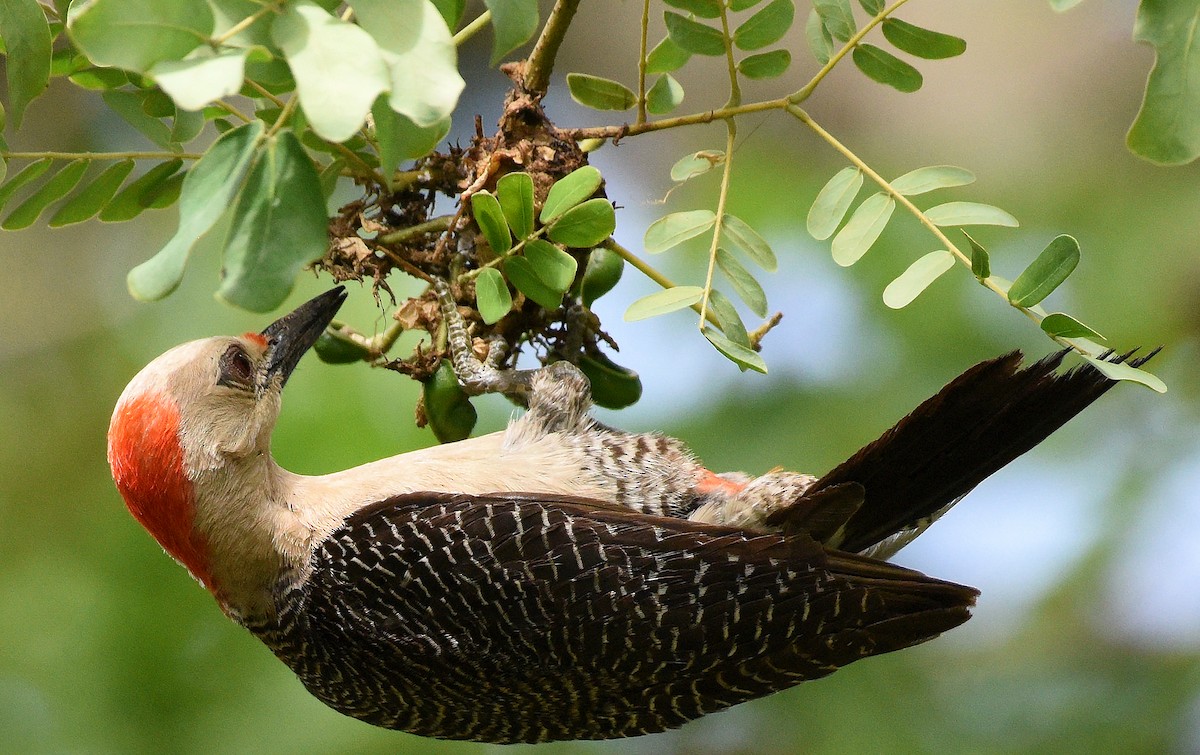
711, 483
257, 338
147, 465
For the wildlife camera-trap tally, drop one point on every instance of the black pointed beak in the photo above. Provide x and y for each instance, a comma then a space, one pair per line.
292, 335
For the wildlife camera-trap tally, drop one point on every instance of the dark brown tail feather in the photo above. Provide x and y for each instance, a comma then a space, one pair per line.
978, 423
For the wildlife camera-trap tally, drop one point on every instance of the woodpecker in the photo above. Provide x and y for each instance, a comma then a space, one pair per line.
559, 579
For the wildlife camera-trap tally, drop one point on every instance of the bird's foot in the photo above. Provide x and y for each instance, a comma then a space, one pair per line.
558, 395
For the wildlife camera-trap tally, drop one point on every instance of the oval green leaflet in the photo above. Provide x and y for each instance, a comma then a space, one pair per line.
662, 302
909, 285
863, 229
568, 191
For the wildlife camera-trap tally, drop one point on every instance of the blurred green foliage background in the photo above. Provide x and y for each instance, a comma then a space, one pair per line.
1087, 637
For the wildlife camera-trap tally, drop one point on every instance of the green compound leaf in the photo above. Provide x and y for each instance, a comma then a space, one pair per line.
740, 355
662, 302
1127, 372
91, 199
874, 7
696, 164
336, 89
931, 178
1046, 273
28, 55
490, 218
513, 23
766, 26
1063, 325
765, 65
208, 191
920, 42
492, 296
553, 266
585, 225
884, 67
837, 16
137, 34
863, 229
59, 185
666, 57
599, 93
969, 213
664, 96
1167, 127
139, 193
833, 202
901, 292
693, 36
673, 229
279, 225
570, 190
744, 284
740, 236
515, 192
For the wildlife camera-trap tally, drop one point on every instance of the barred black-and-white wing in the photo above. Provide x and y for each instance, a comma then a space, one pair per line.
528, 618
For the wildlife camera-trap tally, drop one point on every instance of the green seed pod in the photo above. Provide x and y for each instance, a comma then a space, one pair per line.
450, 413
604, 268
613, 386
338, 350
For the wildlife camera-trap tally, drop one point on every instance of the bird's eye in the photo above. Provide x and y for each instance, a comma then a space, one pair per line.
237, 371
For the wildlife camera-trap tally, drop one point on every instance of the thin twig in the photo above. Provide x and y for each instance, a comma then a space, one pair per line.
541, 60
100, 155
433, 225
641, 93
472, 28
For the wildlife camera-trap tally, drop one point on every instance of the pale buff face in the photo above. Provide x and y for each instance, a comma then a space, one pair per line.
223, 416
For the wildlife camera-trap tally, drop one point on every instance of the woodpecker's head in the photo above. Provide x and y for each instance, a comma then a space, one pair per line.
205, 410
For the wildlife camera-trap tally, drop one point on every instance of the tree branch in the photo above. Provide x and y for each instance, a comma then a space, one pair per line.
541, 60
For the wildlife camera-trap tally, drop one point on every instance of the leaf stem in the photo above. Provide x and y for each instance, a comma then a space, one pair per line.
265, 93
541, 60
481, 21
285, 115
244, 24
641, 93
708, 116
233, 111
722, 199
735, 91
